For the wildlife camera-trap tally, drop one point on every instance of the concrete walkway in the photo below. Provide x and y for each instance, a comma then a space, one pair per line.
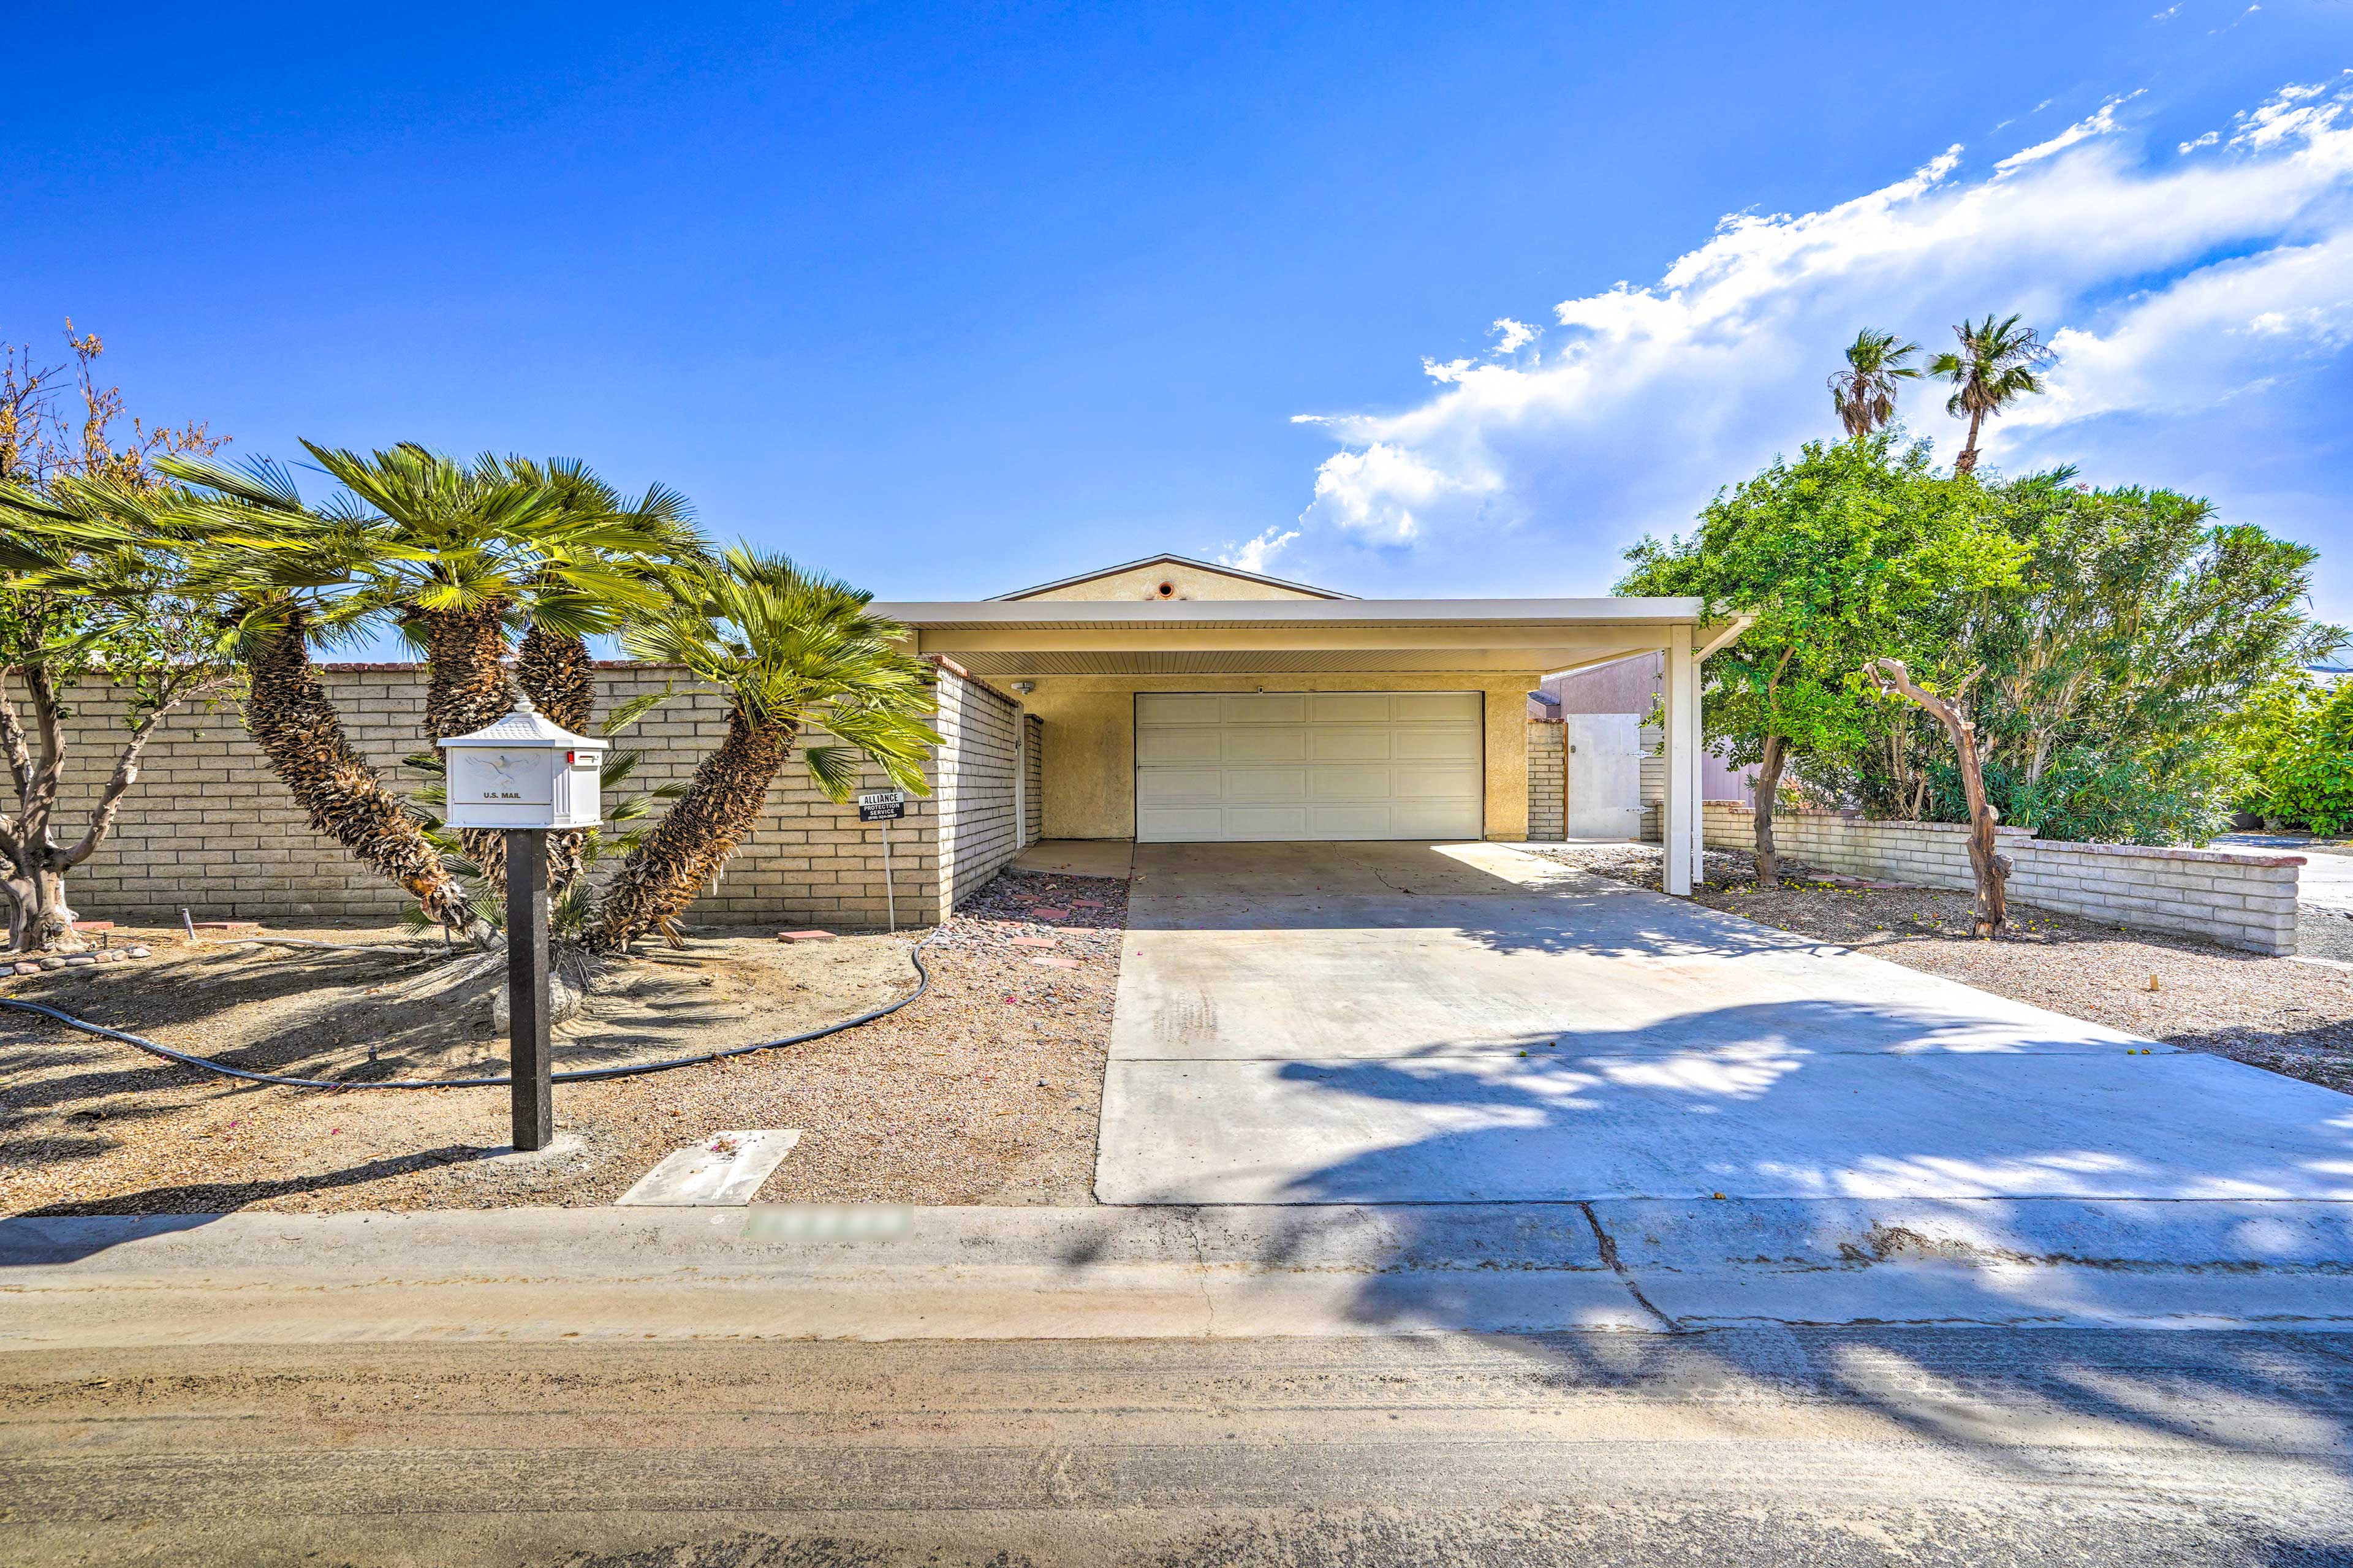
1412, 1023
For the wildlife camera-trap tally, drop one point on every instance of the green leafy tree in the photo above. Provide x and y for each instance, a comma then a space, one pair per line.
1864, 391
2108, 678
1996, 366
792, 651
1855, 552
2311, 779
2269, 725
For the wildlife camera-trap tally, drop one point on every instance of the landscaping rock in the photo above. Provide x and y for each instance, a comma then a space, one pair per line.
81, 958
135, 952
26, 966
804, 936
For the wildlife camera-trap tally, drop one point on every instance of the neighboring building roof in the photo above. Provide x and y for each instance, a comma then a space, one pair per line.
1212, 567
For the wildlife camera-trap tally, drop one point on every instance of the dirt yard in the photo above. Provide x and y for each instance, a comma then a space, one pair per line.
986, 1090
2275, 1013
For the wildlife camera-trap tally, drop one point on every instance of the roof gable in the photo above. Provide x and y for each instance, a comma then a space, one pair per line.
1172, 577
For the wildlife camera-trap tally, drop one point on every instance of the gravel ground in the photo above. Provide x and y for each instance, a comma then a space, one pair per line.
986, 1090
2273, 1013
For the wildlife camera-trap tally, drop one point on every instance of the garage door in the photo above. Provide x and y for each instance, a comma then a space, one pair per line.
1307, 764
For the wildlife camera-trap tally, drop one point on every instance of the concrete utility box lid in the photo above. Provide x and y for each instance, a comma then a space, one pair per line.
523, 771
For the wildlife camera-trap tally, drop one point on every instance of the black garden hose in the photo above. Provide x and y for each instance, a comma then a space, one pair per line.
584, 1075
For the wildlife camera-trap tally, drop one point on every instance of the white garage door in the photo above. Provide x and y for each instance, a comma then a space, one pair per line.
1307, 764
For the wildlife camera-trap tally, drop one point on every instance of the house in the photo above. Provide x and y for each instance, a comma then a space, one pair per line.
1165, 700
1168, 699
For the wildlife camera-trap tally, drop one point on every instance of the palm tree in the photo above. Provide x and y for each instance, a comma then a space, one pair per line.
487, 543
1995, 368
1864, 393
552, 663
501, 541
285, 574
791, 651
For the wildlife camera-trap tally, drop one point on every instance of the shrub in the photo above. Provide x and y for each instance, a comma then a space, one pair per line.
2092, 796
2311, 777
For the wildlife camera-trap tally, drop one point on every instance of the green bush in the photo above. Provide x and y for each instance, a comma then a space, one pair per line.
2310, 781
2090, 796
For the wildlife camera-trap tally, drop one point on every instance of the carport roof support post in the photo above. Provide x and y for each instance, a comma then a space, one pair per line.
1682, 848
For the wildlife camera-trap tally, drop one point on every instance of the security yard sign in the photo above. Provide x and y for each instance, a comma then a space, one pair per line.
885, 807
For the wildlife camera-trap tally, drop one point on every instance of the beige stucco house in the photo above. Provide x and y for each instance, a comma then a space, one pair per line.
1164, 700
1173, 699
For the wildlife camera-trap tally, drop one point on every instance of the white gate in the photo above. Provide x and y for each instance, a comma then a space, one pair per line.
1602, 766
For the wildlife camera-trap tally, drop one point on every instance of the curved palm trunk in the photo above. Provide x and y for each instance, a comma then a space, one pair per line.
556, 673
465, 689
560, 677
297, 728
663, 874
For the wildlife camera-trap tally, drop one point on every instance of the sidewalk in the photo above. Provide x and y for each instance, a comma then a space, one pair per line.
1207, 1272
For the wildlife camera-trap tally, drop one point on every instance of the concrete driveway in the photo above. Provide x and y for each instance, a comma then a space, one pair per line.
1395, 1023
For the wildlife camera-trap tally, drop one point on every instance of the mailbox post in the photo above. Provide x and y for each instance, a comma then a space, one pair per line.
525, 777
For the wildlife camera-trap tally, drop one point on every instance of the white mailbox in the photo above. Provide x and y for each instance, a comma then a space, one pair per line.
523, 771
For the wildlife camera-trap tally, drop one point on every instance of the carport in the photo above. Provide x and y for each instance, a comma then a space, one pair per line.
1242, 720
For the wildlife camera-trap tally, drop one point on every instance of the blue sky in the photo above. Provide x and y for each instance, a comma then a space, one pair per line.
1432, 299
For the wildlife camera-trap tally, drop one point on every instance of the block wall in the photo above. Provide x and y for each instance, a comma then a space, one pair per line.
2245, 901
1547, 820
977, 831
1033, 792
209, 828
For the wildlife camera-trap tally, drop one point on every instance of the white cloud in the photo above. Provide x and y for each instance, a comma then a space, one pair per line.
1375, 493
1648, 398
1252, 554
2208, 139
2291, 116
1511, 336
2102, 122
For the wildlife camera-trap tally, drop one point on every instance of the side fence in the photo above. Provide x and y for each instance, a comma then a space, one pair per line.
2245, 901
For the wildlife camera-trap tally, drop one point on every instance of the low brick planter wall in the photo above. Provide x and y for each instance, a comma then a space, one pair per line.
2246, 901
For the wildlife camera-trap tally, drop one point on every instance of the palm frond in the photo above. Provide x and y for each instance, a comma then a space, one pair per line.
624, 714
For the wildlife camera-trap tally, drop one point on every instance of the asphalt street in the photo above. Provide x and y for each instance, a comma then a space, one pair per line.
1767, 1444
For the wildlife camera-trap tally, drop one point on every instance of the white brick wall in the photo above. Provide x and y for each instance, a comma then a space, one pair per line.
1547, 820
208, 828
2244, 901
978, 833
1033, 791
